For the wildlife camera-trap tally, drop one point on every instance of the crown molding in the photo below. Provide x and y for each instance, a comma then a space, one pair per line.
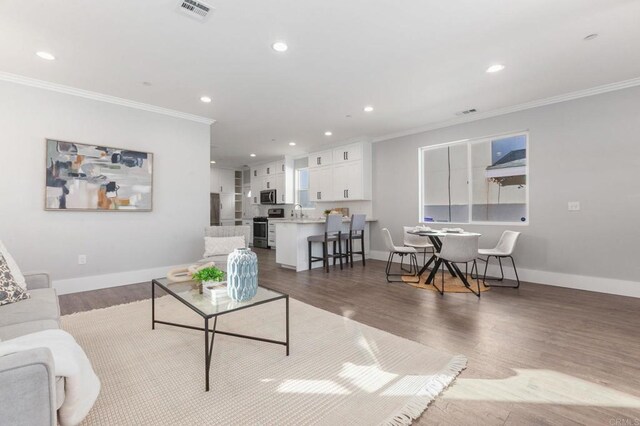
515, 108
60, 88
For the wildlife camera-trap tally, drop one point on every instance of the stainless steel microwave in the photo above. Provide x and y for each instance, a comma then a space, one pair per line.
268, 197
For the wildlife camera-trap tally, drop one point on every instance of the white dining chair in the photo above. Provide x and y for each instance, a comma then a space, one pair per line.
504, 249
421, 244
460, 248
401, 251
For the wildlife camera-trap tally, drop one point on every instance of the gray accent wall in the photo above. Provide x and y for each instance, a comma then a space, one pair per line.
585, 150
114, 242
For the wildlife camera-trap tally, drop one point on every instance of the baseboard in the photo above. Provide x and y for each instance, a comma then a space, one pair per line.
95, 282
557, 279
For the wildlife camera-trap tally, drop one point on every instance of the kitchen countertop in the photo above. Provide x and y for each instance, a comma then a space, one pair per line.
312, 220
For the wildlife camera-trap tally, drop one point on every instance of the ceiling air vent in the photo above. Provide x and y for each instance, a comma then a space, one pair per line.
467, 111
195, 9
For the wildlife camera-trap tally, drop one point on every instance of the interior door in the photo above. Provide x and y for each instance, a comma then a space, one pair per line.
214, 209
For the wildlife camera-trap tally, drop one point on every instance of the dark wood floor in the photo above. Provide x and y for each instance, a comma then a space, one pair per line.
537, 355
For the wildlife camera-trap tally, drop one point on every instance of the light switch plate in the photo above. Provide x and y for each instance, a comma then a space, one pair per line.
574, 206
82, 259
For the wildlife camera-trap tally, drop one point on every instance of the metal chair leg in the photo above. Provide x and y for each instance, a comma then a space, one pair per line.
501, 273
388, 267
515, 271
388, 273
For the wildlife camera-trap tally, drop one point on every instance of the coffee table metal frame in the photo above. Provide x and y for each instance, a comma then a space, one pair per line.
208, 346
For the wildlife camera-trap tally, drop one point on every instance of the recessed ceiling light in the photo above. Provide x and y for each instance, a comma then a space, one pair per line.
280, 46
205, 99
368, 108
252, 155
591, 37
328, 133
213, 162
292, 144
495, 68
46, 55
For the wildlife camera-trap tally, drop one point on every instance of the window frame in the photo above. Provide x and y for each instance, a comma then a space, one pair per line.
469, 143
296, 189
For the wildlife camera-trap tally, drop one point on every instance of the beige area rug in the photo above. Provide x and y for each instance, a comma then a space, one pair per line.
339, 371
451, 284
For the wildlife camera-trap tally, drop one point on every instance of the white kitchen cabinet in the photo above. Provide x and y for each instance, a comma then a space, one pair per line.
278, 175
214, 180
321, 183
271, 234
346, 153
348, 181
320, 159
256, 186
227, 181
348, 177
280, 166
249, 223
269, 182
222, 180
227, 207
271, 169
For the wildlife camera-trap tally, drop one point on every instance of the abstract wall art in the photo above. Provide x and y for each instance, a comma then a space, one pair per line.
97, 178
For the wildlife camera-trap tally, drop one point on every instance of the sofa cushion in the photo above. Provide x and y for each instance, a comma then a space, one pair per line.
10, 291
16, 330
13, 267
214, 246
43, 305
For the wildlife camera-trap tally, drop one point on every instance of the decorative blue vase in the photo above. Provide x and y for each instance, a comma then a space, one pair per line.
242, 274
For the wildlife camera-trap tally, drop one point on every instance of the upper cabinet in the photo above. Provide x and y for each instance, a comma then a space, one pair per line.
320, 159
278, 176
346, 153
223, 181
343, 173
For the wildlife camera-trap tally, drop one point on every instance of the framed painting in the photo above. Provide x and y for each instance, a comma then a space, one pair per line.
85, 177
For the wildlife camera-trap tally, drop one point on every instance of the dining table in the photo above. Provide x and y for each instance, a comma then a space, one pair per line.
436, 236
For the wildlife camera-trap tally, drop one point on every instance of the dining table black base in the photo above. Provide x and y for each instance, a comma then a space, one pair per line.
437, 262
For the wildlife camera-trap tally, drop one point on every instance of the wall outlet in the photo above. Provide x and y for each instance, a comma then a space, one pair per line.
574, 206
82, 259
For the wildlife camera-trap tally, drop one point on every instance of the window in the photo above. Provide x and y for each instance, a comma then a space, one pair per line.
475, 181
302, 188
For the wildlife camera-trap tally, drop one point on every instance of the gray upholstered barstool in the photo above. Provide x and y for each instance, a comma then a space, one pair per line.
356, 232
332, 233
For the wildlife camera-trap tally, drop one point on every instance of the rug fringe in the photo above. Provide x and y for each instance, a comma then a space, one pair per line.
436, 385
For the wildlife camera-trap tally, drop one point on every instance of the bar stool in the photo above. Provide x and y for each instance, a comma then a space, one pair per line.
356, 232
332, 234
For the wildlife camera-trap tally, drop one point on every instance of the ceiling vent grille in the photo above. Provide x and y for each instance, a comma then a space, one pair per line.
195, 9
467, 111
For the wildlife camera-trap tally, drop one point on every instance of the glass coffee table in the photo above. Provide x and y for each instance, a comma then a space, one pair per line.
211, 307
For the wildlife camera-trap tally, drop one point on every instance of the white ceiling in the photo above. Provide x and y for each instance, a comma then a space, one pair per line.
417, 62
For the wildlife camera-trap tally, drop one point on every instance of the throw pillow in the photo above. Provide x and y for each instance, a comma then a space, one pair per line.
13, 267
10, 291
214, 246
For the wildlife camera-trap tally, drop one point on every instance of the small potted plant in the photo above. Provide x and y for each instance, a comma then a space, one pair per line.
327, 212
208, 276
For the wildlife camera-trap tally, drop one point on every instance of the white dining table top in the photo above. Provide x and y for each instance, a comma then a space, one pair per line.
438, 233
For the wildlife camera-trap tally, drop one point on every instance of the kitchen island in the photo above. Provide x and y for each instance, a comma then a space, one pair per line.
291, 241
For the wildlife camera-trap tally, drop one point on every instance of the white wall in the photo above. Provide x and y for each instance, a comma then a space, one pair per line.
121, 247
585, 150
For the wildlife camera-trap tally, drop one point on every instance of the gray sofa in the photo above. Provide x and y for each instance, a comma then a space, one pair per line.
29, 392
